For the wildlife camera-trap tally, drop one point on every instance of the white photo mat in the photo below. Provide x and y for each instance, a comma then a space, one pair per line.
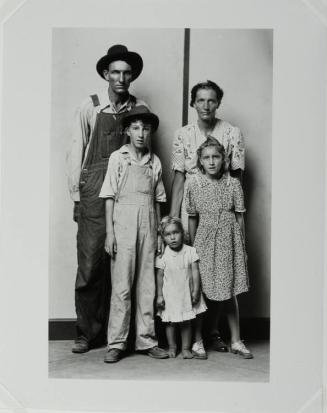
298, 152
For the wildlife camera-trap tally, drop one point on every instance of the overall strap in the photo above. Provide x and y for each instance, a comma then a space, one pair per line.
95, 100
132, 100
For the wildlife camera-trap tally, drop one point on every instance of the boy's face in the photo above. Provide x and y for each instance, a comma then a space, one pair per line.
140, 134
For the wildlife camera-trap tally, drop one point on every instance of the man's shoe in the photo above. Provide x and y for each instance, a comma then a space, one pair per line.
157, 353
81, 345
113, 355
240, 349
218, 344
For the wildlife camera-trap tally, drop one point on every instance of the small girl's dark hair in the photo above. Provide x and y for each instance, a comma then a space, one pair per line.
170, 220
211, 141
209, 84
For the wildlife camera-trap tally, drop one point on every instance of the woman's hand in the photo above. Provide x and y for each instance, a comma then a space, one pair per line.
160, 303
160, 246
110, 244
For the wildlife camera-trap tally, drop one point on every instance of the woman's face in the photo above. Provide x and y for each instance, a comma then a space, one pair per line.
206, 104
211, 161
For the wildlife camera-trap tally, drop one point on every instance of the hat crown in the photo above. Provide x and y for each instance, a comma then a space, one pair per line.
117, 49
139, 110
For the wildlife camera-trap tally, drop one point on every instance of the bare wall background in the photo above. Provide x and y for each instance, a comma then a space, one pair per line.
240, 61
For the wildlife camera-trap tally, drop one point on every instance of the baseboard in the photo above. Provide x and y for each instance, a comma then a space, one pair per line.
254, 328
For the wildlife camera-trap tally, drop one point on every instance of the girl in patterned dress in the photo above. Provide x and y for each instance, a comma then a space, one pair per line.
215, 206
179, 297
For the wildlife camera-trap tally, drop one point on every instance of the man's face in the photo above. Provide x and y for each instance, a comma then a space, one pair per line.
119, 76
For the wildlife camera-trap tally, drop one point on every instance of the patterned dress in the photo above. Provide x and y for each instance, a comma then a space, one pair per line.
187, 140
219, 240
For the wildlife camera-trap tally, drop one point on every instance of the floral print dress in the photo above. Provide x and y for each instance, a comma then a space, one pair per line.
219, 240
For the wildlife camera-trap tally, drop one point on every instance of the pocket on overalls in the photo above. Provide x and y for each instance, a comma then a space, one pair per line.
110, 142
92, 205
105, 145
144, 185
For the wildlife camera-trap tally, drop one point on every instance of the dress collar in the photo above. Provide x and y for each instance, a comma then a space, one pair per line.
204, 181
175, 253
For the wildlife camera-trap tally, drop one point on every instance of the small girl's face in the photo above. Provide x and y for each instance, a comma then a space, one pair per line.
173, 237
211, 160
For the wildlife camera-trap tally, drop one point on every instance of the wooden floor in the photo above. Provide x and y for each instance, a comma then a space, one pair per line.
219, 366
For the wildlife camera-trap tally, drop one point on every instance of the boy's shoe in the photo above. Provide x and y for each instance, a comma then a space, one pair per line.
157, 353
218, 344
81, 345
113, 355
240, 349
198, 351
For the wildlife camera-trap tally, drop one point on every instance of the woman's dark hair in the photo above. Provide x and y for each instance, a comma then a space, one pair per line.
211, 141
206, 85
170, 220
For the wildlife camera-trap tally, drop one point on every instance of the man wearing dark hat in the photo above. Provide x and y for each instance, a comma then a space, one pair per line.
97, 132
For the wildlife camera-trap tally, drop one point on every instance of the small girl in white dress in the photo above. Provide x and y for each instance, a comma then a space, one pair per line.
179, 297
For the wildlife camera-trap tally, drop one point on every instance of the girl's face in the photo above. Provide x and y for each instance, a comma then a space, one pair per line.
173, 237
211, 161
139, 134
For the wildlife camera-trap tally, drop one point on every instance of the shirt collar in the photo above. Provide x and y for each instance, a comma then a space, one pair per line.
105, 102
146, 158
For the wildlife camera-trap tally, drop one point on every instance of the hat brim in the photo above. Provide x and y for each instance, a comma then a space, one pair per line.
132, 58
145, 117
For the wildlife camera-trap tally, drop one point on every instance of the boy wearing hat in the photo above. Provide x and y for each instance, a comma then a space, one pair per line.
133, 190
97, 132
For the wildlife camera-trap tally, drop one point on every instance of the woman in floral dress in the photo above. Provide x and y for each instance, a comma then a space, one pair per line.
205, 99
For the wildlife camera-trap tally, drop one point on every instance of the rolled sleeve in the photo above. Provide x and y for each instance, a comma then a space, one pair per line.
159, 263
109, 187
178, 153
80, 138
194, 255
160, 194
238, 196
237, 150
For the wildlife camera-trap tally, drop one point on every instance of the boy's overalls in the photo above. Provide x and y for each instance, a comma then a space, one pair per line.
135, 229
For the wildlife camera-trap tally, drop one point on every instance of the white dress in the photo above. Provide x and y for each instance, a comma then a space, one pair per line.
177, 285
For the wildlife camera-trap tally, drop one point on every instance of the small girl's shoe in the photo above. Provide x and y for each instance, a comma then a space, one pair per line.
240, 349
198, 350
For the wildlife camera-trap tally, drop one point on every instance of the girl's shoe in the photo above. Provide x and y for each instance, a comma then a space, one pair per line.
240, 349
198, 351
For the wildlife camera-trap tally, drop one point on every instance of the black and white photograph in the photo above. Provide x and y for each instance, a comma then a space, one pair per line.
163, 206
178, 270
